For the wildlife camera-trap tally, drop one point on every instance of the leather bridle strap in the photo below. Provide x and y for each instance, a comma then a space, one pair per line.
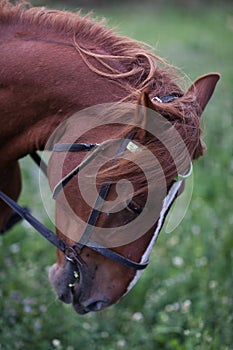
73, 147
36, 224
110, 254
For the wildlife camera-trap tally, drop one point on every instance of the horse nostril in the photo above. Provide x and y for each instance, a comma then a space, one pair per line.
96, 306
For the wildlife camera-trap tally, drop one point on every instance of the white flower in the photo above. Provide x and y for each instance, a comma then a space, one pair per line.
172, 307
212, 284
177, 261
56, 343
186, 305
137, 316
121, 343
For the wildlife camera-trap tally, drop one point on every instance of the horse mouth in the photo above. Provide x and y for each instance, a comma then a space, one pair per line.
75, 281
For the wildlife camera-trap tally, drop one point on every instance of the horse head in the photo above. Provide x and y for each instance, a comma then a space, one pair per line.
116, 169
109, 239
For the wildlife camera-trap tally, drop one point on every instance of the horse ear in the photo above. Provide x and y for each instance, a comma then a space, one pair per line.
203, 89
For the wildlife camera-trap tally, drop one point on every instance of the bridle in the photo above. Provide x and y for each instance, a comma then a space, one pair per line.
72, 253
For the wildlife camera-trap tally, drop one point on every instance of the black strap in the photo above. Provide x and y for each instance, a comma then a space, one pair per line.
73, 147
167, 98
94, 215
38, 226
110, 254
41, 164
64, 182
62, 147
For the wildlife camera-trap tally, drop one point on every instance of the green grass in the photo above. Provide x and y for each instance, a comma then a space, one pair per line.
184, 298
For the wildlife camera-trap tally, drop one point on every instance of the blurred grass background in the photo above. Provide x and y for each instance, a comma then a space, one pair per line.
184, 298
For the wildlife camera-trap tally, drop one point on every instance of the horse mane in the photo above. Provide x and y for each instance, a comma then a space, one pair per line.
116, 57
120, 57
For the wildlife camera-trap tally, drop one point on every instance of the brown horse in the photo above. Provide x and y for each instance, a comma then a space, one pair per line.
54, 64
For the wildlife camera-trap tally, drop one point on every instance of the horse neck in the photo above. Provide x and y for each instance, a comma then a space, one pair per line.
41, 85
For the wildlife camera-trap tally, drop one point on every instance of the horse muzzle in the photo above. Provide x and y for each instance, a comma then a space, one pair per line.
72, 286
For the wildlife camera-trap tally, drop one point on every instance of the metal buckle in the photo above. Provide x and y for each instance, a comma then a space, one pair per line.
74, 257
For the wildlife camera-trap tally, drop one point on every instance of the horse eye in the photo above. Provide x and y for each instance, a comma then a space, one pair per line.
134, 207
